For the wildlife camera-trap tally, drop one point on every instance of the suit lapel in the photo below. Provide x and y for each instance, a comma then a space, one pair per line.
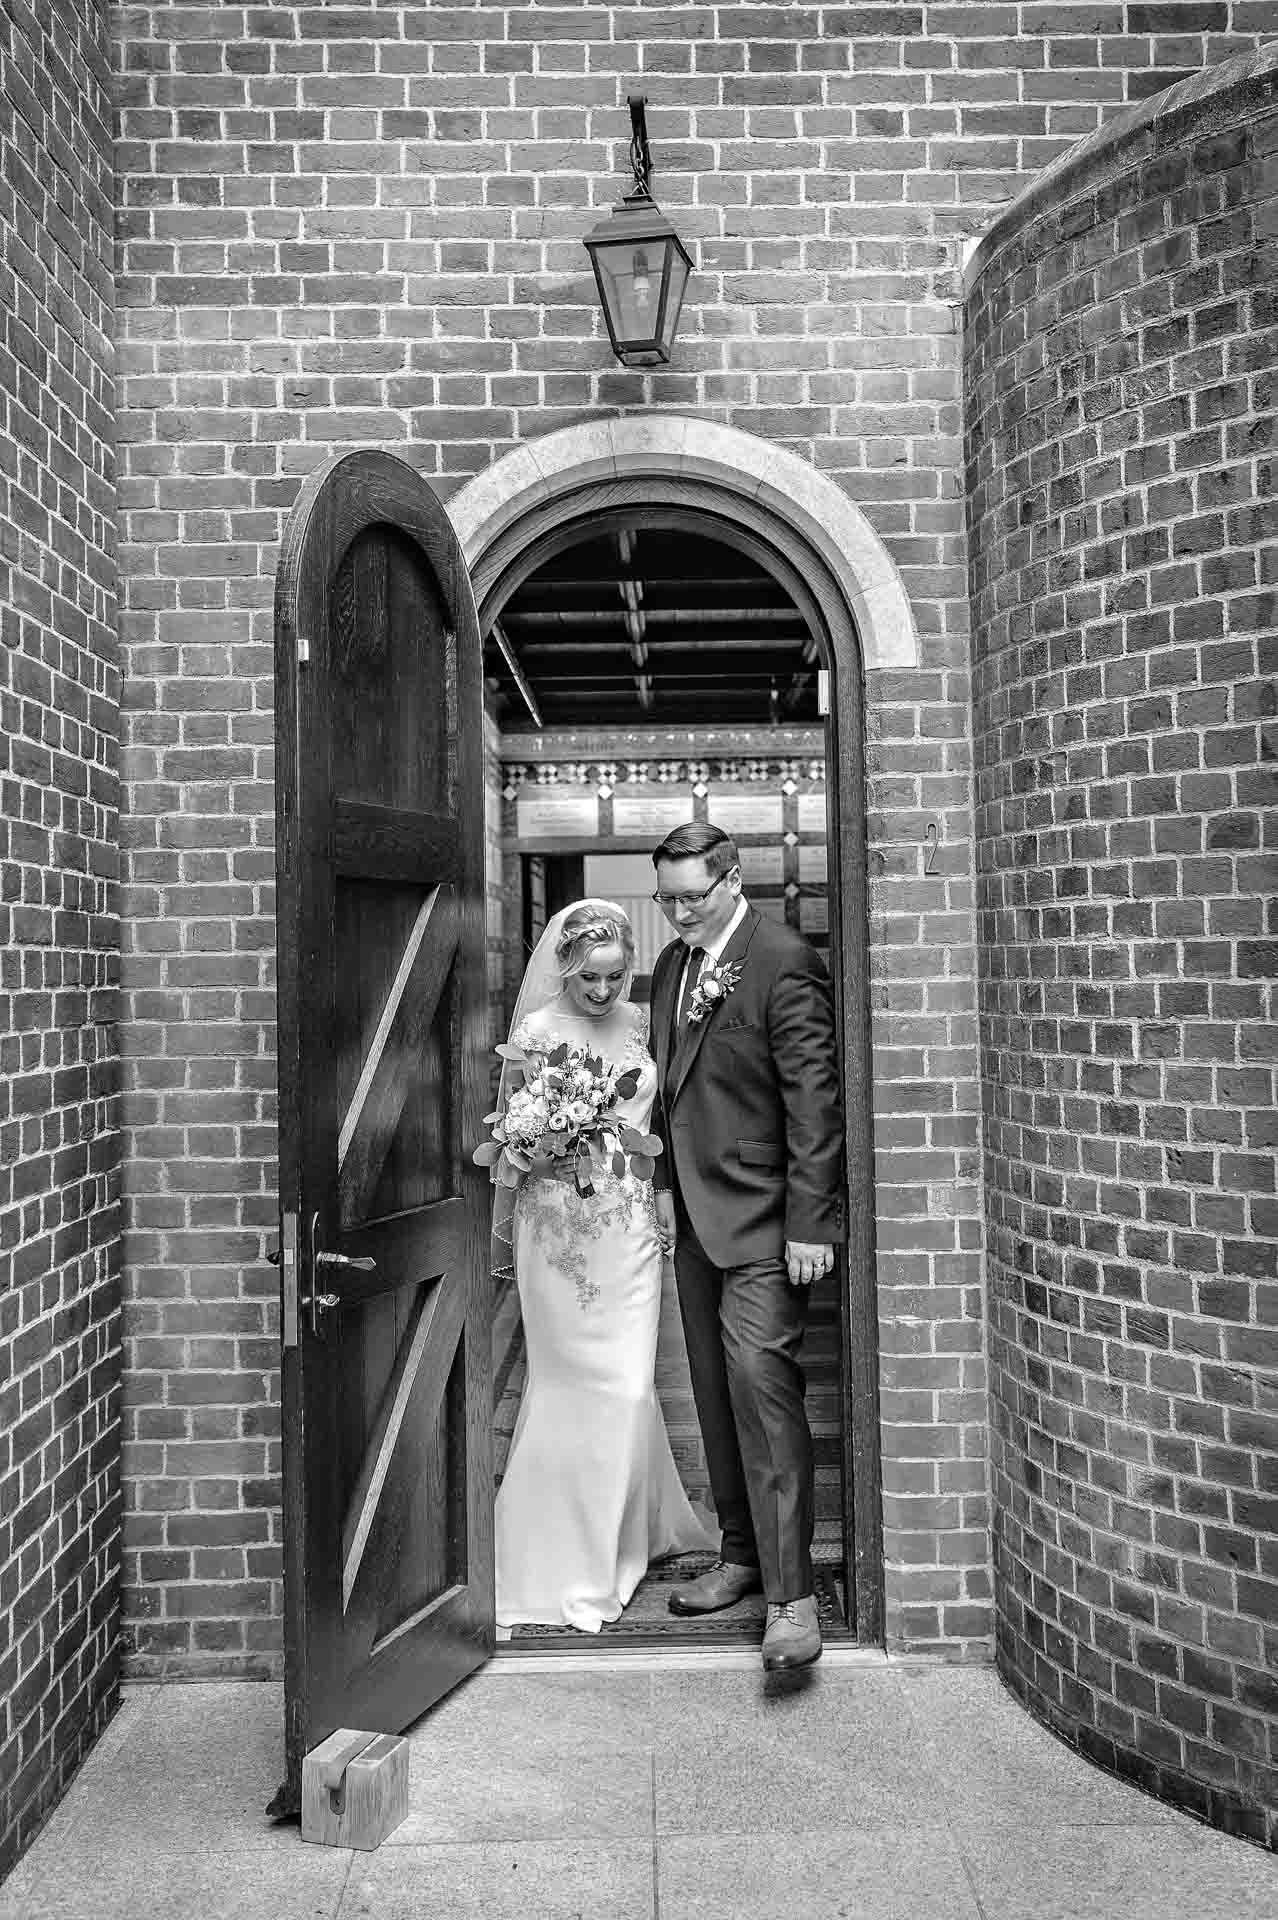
664, 982
695, 1032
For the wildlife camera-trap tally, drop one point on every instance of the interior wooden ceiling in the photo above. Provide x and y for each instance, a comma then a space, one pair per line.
651, 627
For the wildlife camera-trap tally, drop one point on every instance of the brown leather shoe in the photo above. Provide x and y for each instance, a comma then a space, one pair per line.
722, 1585
793, 1636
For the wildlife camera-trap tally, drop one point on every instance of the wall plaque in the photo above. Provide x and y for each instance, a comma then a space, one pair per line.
812, 863
543, 815
649, 815
814, 913
745, 812
762, 864
812, 813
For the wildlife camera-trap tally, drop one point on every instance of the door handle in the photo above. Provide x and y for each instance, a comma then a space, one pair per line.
325, 1259
319, 1302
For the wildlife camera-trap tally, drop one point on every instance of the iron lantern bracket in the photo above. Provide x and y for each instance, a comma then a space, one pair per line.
640, 153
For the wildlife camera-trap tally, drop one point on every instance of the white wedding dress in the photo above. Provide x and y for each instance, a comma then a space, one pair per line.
591, 1494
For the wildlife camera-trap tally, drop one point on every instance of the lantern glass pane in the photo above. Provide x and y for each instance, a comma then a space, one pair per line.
630, 272
674, 296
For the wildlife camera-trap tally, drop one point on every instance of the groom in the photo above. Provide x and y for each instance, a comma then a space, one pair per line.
750, 1185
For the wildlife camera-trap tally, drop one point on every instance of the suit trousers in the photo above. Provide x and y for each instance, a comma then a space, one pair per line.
743, 1327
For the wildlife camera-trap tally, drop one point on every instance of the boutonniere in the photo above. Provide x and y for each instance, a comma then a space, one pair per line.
714, 985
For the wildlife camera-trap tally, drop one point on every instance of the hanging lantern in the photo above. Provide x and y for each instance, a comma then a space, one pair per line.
641, 265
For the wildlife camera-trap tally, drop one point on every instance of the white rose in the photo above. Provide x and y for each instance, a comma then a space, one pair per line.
558, 1120
579, 1112
711, 989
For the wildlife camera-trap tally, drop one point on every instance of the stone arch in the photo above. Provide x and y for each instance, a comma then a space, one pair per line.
793, 520
526, 486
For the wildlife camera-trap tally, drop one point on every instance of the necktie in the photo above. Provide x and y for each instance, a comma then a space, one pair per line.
696, 959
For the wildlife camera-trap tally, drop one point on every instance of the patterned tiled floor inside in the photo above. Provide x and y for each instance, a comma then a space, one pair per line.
632, 1789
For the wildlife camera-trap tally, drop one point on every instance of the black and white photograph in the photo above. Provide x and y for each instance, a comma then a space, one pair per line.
638, 960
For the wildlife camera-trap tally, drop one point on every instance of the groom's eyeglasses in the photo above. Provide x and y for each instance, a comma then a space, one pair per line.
669, 901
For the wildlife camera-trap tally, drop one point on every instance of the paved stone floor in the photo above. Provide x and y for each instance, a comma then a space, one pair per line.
636, 1791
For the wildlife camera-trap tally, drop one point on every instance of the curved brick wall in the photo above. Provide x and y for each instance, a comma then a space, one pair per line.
1121, 346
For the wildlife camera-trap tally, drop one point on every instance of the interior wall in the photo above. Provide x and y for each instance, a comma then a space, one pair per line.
59, 1114
1122, 336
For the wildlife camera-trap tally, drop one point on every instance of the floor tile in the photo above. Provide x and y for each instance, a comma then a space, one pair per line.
134, 1704
732, 1701
548, 1881
194, 1769
570, 1709
815, 1876
122, 1884
527, 1788
998, 1764
732, 1757
1136, 1873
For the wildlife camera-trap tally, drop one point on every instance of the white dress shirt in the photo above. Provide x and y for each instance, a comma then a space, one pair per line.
712, 950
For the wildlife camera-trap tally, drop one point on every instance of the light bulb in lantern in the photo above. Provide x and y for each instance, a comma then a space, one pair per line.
642, 284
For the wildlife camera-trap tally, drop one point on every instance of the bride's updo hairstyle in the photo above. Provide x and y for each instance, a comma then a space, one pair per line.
587, 927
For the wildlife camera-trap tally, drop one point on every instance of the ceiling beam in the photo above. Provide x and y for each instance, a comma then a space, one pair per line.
536, 653
743, 582
661, 617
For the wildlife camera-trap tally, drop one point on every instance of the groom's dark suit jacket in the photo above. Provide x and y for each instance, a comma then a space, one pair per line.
748, 1103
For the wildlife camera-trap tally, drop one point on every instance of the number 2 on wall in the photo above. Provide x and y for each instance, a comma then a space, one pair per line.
933, 842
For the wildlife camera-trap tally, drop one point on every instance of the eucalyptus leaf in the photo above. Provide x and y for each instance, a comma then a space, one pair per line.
641, 1166
487, 1153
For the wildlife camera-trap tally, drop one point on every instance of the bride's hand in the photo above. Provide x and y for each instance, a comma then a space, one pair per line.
665, 1220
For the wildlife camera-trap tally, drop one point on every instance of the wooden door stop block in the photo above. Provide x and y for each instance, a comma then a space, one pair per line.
354, 1789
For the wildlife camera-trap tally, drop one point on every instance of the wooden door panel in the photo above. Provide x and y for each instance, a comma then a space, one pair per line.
383, 1038
393, 843
401, 1077
391, 1571
392, 752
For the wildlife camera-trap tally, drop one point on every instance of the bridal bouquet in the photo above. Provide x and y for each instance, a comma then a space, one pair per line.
565, 1114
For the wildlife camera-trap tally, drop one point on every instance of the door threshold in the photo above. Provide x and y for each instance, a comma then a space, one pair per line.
510, 1661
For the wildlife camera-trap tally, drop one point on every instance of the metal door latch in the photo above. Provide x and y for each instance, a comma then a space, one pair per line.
285, 1258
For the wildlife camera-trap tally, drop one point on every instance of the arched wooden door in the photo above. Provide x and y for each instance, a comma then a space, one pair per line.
382, 1072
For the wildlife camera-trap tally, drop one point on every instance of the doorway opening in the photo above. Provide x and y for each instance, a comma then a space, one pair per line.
647, 665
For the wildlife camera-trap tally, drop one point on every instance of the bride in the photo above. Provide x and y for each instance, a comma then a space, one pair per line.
591, 1493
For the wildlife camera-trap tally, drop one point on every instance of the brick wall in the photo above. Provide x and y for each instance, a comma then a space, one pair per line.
363, 224
1123, 336
59, 1179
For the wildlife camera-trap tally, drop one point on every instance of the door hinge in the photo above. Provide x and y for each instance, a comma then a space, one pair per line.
303, 650
288, 1278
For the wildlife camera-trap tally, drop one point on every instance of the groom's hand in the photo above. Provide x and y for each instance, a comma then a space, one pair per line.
806, 1262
